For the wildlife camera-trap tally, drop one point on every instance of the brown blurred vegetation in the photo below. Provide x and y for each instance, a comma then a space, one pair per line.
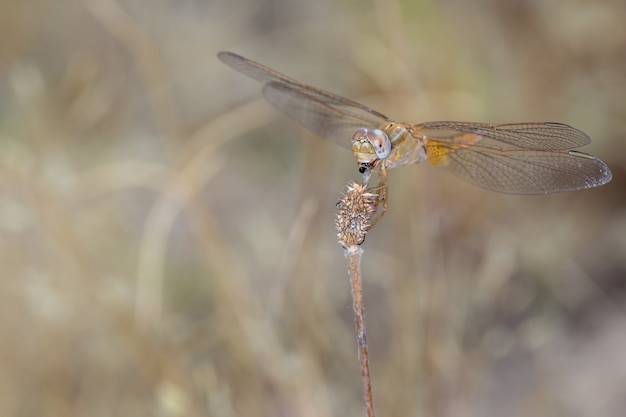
166, 238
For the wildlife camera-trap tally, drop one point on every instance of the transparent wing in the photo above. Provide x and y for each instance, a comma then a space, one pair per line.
539, 136
486, 163
253, 69
530, 172
324, 113
331, 120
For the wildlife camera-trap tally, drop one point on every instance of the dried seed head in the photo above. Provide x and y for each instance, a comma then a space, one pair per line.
354, 216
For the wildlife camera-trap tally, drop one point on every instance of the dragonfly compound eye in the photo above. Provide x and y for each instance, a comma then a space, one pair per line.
380, 141
360, 135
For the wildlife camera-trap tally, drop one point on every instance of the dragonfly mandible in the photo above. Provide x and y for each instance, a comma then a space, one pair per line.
512, 158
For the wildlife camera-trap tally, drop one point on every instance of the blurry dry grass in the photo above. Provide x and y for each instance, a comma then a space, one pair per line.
168, 250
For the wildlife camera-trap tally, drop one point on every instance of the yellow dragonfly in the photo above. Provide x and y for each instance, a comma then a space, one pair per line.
513, 158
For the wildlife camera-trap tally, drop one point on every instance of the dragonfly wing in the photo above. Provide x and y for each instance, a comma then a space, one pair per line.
253, 69
519, 171
330, 118
324, 113
537, 136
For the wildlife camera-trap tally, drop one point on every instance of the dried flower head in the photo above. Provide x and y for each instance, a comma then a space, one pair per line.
354, 216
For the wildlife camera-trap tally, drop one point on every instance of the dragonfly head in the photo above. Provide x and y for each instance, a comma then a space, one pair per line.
369, 145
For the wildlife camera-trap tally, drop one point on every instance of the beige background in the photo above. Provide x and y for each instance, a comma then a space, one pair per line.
166, 237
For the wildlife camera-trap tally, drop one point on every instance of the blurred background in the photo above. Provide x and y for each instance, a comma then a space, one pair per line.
167, 241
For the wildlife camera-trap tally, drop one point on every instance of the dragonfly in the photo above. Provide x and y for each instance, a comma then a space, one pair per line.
511, 158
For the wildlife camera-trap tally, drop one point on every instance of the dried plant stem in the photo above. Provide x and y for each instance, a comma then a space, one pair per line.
353, 254
356, 209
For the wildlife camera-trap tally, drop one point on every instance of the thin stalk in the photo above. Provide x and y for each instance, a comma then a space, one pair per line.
353, 254
356, 210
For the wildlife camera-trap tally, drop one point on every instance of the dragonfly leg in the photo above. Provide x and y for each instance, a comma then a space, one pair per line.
381, 189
